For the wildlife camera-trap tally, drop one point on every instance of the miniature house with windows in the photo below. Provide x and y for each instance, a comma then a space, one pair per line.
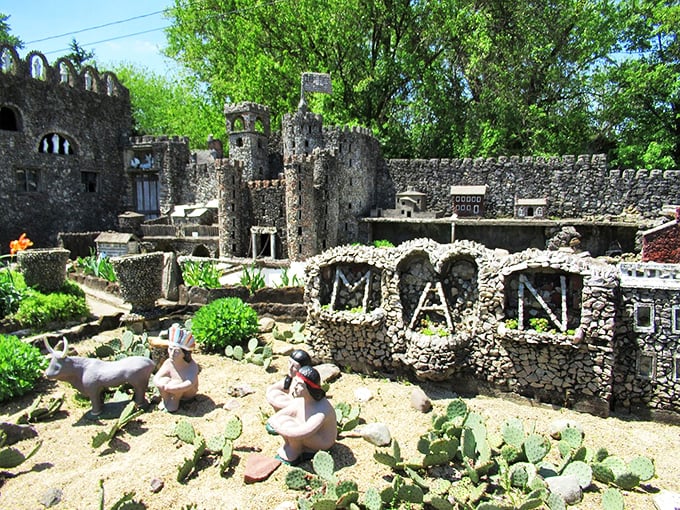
527, 208
468, 200
116, 244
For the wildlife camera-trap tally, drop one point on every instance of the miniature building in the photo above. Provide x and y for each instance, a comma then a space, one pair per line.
409, 202
662, 243
116, 244
468, 200
530, 207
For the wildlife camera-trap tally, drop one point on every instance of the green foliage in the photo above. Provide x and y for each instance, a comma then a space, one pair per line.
128, 414
21, 365
252, 278
12, 457
539, 324
201, 274
223, 322
287, 281
97, 265
511, 323
12, 289
38, 310
5, 36
125, 502
347, 416
163, 105
383, 243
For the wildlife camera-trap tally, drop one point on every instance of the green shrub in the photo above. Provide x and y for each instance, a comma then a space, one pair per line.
21, 365
226, 321
382, 243
37, 310
97, 265
12, 287
201, 274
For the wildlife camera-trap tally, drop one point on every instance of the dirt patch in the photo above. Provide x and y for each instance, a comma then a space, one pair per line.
145, 452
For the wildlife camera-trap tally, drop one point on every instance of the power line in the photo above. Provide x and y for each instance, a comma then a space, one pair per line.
99, 26
107, 40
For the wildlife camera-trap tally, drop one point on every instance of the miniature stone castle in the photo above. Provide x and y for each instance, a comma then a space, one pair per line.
481, 302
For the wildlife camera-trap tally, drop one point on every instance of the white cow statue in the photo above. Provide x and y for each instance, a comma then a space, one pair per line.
92, 376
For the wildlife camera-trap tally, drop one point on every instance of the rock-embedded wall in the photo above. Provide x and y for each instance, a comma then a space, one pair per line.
575, 187
451, 312
72, 185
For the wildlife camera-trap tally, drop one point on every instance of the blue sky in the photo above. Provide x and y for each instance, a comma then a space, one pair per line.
124, 40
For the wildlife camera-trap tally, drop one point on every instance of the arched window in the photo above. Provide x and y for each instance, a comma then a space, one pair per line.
238, 124
55, 143
8, 119
6, 61
259, 126
64, 73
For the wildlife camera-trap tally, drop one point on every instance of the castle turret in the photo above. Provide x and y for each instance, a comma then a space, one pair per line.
302, 133
233, 202
248, 125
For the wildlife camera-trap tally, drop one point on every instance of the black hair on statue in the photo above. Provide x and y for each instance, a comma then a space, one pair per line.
313, 375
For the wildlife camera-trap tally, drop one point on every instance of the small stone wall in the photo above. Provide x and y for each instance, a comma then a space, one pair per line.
446, 312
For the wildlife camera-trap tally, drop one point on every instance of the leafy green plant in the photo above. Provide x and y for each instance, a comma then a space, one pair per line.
202, 274
539, 324
511, 323
430, 328
382, 243
98, 265
287, 281
37, 310
252, 278
12, 288
223, 322
21, 365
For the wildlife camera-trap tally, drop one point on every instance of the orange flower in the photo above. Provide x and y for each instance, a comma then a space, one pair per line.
20, 244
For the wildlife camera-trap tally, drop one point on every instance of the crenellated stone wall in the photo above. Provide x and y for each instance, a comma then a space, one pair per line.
575, 187
544, 324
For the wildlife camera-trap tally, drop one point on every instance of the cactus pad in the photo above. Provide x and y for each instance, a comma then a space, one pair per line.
581, 471
511, 453
372, 499
410, 493
612, 499
513, 432
643, 467
296, 479
573, 436
456, 409
616, 464
233, 428
555, 502
439, 503
627, 480
323, 465
348, 499
185, 431
536, 447
384, 458
215, 443
602, 473
185, 469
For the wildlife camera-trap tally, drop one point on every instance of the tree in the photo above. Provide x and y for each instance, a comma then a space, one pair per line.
431, 78
642, 87
5, 36
162, 106
79, 56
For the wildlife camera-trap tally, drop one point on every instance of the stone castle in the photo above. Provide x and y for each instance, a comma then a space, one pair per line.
607, 337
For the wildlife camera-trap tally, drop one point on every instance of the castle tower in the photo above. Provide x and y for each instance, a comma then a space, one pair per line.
248, 126
232, 207
302, 133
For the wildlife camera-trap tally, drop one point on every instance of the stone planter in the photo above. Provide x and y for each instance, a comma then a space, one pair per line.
139, 279
44, 268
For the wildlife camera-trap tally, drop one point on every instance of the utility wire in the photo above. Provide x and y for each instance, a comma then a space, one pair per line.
84, 45
100, 26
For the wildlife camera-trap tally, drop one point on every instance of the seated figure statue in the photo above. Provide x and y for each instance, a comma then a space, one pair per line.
177, 378
278, 394
308, 424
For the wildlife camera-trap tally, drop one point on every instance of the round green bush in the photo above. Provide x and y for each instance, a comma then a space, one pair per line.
21, 365
226, 321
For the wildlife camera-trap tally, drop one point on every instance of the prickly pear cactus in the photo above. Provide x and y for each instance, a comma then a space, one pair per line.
372, 499
643, 467
513, 432
612, 499
582, 471
573, 436
323, 465
185, 431
296, 479
233, 428
536, 447
216, 443
602, 473
456, 409
11, 457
